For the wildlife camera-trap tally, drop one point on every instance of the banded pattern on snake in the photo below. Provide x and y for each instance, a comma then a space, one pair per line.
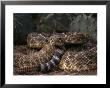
52, 52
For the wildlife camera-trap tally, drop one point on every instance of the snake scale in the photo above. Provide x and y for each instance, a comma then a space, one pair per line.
69, 51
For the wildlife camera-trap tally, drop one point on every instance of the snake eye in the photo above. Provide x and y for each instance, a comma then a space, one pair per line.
59, 38
46, 40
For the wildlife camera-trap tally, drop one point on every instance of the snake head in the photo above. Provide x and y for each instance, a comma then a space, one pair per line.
56, 40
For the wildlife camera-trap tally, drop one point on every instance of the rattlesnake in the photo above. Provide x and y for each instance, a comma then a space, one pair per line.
53, 51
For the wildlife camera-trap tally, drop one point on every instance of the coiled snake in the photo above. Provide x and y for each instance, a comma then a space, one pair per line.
69, 51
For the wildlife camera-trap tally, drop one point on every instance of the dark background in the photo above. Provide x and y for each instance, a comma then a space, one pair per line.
25, 23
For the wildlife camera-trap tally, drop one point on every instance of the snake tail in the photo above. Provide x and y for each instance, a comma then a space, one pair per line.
44, 67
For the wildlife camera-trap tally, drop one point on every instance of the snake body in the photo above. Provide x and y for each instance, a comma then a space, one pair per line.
45, 61
79, 61
51, 53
